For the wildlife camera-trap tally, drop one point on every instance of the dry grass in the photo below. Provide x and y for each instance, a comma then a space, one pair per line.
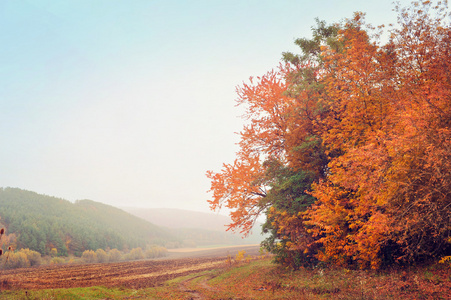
264, 280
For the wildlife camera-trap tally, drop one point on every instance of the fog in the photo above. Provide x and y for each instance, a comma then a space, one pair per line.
129, 103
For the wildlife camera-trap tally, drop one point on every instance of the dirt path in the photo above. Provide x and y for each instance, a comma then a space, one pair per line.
185, 286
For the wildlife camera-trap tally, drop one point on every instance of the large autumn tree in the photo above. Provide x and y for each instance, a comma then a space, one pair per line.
281, 153
387, 197
347, 148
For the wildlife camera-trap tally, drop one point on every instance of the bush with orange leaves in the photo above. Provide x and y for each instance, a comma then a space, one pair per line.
348, 146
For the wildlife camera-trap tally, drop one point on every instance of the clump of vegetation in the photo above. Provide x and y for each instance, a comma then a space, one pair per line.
155, 252
24, 258
114, 255
89, 256
240, 255
346, 146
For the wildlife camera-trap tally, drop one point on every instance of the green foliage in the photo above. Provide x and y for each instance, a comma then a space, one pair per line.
289, 185
311, 48
43, 223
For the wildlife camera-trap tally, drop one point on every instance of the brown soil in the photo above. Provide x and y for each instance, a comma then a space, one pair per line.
136, 274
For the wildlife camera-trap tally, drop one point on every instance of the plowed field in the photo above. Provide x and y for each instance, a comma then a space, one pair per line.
136, 274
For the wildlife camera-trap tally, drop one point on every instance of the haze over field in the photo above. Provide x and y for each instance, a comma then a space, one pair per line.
129, 103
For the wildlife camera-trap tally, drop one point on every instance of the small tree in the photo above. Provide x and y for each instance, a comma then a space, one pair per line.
102, 256
53, 252
33, 257
89, 256
155, 251
16, 260
114, 255
136, 253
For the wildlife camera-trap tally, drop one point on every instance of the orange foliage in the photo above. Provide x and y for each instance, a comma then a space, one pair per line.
390, 123
369, 128
242, 186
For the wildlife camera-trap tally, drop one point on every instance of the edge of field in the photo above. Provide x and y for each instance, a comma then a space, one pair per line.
251, 249
259, 278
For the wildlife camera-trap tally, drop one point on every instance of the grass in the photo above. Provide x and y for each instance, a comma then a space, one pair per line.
96, 292
261, 279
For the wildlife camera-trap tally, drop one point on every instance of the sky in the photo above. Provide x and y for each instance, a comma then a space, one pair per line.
130, 102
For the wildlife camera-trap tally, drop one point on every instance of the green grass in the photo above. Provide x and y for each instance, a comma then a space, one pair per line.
96, 292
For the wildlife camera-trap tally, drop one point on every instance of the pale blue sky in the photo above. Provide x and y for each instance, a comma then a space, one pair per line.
130, 102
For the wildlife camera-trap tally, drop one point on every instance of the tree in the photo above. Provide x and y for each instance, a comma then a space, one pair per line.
389, 123
101, 255
242, 186
348, 146
281, 152
89, 256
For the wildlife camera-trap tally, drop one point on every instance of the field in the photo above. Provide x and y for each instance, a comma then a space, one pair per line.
136, 274
208, 274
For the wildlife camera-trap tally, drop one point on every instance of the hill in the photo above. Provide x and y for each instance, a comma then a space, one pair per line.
195, 228
41, 222
180, 218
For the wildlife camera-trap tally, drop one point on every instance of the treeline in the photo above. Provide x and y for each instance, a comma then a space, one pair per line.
347, 148
45, 224
114, 255
25, 258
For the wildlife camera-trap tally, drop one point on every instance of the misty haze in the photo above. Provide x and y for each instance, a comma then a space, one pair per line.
225, 149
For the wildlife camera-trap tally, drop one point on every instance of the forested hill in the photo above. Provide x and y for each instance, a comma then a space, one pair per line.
42, 222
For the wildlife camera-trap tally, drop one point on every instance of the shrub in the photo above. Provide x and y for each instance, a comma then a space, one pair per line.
135, 253
89, 256
240, 256
114, 255
33, 257
57, 261
53, 252
102, 256
156, 251
15, 260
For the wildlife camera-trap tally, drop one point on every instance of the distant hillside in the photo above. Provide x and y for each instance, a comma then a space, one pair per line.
179, 218
195, 227
42, 222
